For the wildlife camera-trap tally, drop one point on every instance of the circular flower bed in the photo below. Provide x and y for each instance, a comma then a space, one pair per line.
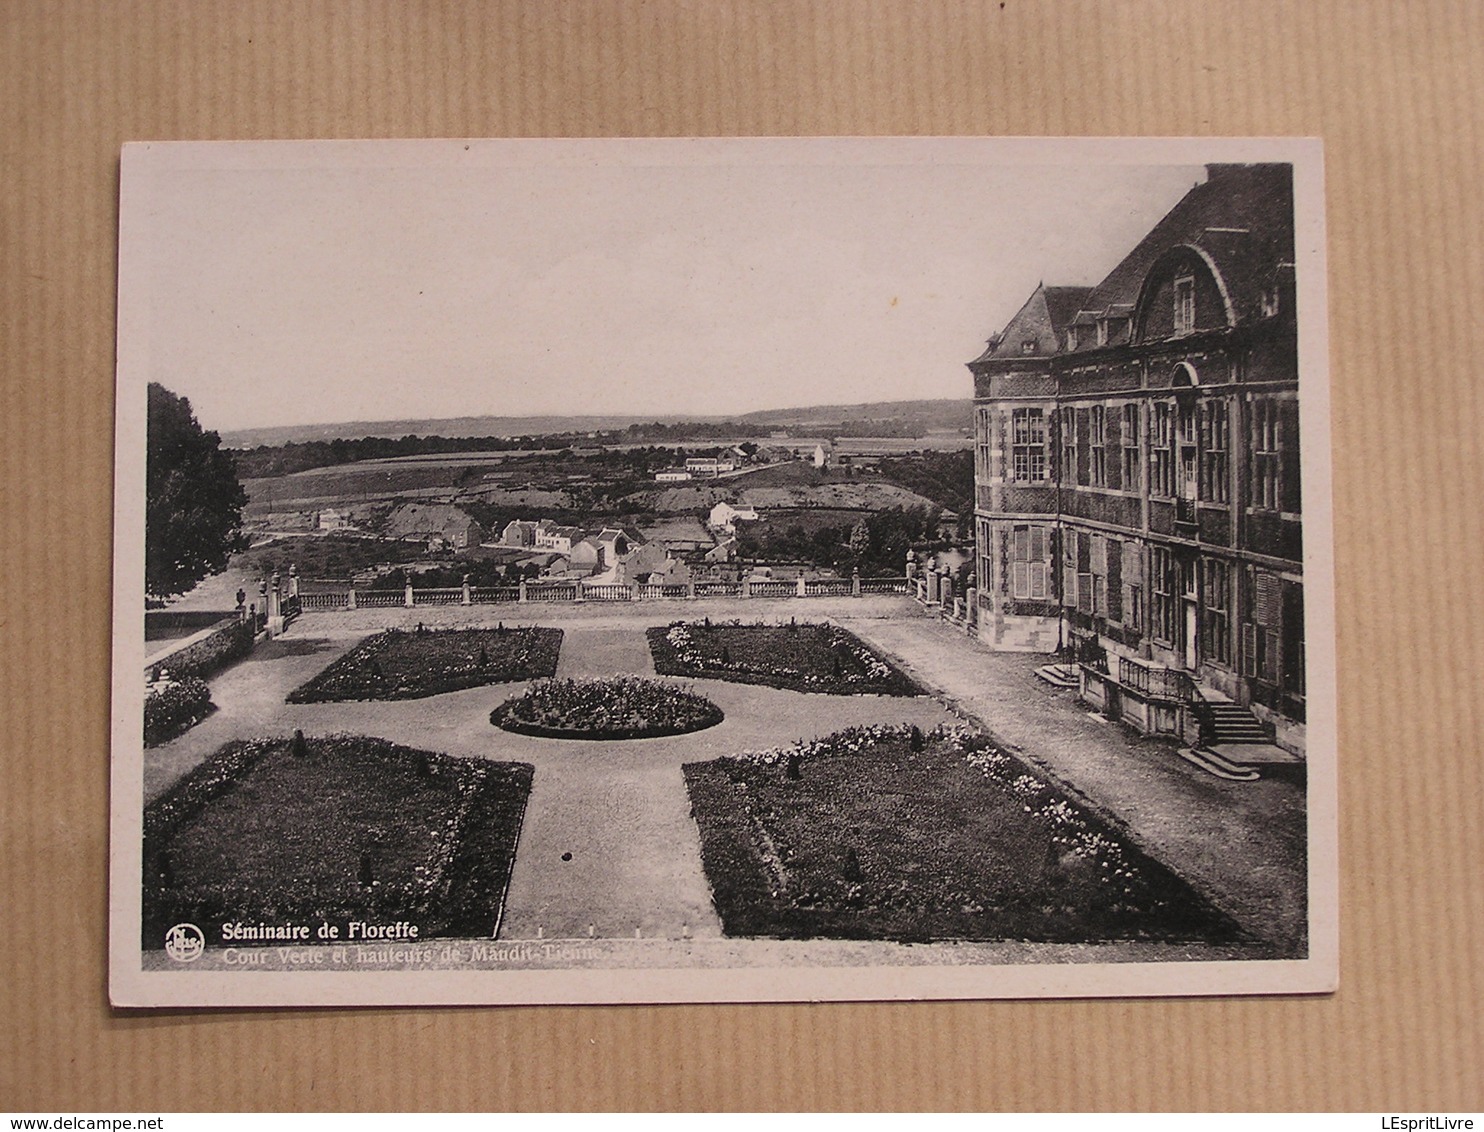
622, 707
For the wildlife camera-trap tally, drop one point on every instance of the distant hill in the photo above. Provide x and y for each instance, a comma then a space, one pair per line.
946, 413
937, 414
450, 427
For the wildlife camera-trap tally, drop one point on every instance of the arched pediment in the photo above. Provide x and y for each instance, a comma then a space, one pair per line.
1183, 292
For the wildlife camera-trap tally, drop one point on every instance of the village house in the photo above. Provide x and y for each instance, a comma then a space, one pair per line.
332, 520
1137, 470
551, 535
710, 465
672, 475
724, 517
518, 532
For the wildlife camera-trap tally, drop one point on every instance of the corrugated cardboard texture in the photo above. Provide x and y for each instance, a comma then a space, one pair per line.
1395, 91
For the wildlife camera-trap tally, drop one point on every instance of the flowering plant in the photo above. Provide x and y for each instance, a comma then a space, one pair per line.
174, 707
623, 707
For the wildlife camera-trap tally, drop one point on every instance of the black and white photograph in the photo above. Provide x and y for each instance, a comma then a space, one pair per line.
684, 570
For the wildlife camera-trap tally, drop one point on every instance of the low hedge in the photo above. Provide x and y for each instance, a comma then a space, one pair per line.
175, 707
231, 641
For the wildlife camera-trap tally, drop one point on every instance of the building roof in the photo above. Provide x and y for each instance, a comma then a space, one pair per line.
1240, 221
1043, 320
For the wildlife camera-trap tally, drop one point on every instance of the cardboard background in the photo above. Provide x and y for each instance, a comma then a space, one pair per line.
1396, 92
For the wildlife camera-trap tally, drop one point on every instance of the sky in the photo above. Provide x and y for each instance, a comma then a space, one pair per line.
306, 283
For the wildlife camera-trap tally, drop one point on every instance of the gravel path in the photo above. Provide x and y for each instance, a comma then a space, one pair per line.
617, 811
1241, 843
621, 811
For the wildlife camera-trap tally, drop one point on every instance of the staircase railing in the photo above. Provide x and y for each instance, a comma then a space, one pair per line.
1200, 708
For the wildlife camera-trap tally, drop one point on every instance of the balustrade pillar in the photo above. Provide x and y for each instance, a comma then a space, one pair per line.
468, 598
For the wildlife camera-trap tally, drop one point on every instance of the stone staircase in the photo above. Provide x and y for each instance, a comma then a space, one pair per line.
1227, 722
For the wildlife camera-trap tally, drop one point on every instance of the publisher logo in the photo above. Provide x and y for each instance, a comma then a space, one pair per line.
184, 943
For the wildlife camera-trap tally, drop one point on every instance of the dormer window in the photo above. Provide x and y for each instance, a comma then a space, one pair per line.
1071, 339
1270, 302
1185, 305
1028, 346
1102, 332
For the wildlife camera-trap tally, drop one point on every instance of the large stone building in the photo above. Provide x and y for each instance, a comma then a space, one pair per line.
1137, 469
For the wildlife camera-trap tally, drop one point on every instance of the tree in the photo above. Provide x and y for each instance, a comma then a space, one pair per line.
193, 502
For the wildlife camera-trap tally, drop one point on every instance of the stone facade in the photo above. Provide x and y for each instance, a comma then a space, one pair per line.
1137, 461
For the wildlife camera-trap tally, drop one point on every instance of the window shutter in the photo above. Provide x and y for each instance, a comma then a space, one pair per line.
1038, 581
1020, 581
1084, 593
1270, 656
1249, 649
1038, 544
1269, 600
1022, 544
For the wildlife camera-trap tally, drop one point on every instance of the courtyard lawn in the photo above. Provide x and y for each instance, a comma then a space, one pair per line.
800, 657
340, 829
404, 665
884, 833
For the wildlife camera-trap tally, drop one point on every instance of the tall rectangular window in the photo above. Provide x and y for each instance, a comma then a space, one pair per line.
1068, 434
1069, 542
983, 446
1114, 584
1162, 586
1029, 570
1131, 446
1185, 305
983, 557
1216, 610
1267, 460
1098, 435
1215, 468
1028, 446
1162, 450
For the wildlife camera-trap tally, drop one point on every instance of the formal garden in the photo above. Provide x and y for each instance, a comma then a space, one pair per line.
335, 829
796, 656
399, 664
892, 833
623, 707
174, 706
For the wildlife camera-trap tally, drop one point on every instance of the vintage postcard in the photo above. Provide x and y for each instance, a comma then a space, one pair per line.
721, 570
